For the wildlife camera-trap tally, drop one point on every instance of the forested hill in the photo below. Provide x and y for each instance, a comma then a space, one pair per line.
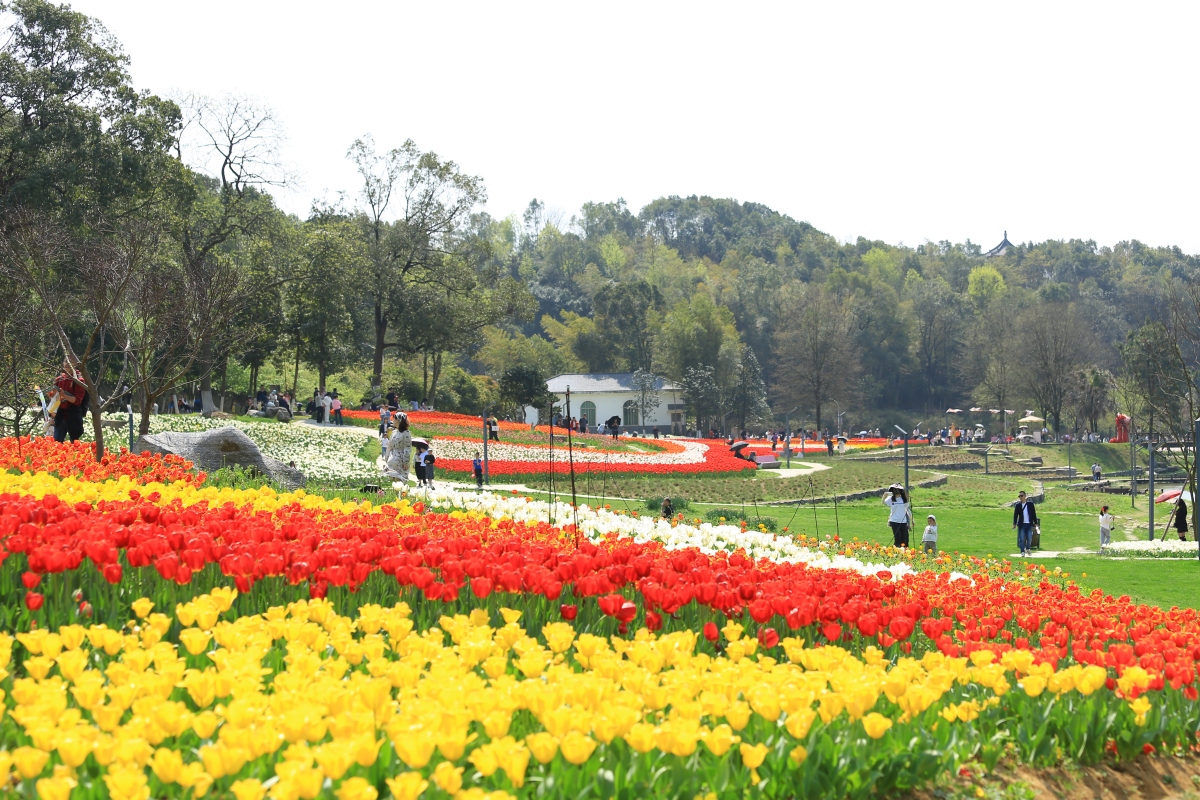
699, 282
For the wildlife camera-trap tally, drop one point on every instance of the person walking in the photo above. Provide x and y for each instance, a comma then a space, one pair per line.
477, 468
667, 510
1181, 512
335, 405
419, 464
1106, 525
1096, 472
1025, 518
384, 417
399, 450
493, 428
898, 517
430, 460
929, 537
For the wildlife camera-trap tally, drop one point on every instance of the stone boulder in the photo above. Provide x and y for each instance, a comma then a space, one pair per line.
221, 447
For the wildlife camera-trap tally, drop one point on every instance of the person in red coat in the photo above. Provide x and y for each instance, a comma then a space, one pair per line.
72, 398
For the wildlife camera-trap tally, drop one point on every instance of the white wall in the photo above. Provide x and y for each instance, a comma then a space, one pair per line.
611, 404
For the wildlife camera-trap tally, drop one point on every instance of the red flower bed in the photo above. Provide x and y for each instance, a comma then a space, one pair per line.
43, 454
444, 418
443, 559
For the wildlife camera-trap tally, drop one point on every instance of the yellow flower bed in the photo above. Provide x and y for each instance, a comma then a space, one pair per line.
300, 698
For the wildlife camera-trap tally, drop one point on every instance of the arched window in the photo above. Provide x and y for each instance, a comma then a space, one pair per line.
588, 411
629, 413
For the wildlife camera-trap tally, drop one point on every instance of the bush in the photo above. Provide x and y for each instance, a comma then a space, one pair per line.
734, 516
655, 503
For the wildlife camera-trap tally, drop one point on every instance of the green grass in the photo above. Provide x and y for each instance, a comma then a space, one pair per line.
371, 450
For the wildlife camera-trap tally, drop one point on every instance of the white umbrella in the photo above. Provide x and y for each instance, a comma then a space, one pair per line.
1030, 419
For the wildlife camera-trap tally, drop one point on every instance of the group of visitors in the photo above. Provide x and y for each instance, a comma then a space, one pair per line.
570, 423
325, 407
266, 401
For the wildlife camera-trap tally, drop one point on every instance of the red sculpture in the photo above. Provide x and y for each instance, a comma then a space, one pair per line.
1122, 429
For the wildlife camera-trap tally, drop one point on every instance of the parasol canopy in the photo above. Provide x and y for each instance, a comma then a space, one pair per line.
976, 408
1031, 418
953, 410
1173, 494
738, 446
418, 441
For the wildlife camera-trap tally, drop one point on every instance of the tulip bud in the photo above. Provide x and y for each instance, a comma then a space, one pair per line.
77, 595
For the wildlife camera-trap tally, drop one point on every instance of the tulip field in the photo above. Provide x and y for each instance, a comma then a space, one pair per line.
163, 637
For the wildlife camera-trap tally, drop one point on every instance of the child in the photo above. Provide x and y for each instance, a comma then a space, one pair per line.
929, 538
477, 466
1106, 526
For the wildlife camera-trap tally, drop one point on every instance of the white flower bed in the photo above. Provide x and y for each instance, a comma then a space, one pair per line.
321, 453
595, 523
1169, 548
693, 453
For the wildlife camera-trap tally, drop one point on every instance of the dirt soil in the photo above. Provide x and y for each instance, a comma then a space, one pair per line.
1148, 778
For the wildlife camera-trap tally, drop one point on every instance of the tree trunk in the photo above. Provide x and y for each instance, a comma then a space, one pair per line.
437, 371
817, 412
206, 361
381, 326
424, 377
144, 419
94, 408
321, 376
296, 375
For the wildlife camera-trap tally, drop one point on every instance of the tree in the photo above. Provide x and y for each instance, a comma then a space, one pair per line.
1091, 395
703, 396
524, 385
748, 398
1053, 347
815, 363
937, 315
218, 213
75, 138
437, 199
321, 299
992, 363
645, 385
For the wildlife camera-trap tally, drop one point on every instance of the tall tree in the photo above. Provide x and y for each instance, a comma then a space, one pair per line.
435, 200
815, 363
1052, 348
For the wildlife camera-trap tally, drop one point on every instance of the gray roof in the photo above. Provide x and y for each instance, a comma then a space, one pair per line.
600, 382
999, 249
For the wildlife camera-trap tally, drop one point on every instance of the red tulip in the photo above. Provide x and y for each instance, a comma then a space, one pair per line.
654, 620
768, 637
481, 587
34, 600
112, 573
710, 631
569, 612
30, 579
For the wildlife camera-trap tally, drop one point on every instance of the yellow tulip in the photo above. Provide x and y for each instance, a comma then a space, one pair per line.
356, 789
127, 783
405, 786
29, 761
414, 748
248, 789
577, 748
166, 764
142, 607
448, 777
544, 746
194, 640
876, 724
1140, 707
798, 754
1034, 685
720, 739
74, 746
55, 788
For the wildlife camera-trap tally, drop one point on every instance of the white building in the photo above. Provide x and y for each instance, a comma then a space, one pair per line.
601, 396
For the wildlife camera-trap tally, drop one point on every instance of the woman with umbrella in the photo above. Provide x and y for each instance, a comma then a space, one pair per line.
399, 449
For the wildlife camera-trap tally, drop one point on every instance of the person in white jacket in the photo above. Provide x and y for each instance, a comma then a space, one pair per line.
899, 516
1107, 521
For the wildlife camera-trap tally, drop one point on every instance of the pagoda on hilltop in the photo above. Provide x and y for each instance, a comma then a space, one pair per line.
999, 249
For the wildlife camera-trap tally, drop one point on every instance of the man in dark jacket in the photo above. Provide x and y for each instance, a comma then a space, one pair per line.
1025, 518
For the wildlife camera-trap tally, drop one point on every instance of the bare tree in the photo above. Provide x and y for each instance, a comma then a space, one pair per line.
79, 283
814, 364
235, 141
1053, 347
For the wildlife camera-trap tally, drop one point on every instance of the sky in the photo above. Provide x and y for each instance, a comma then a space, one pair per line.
896, 121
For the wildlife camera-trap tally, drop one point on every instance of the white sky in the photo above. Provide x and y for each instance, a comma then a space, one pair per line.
895, 121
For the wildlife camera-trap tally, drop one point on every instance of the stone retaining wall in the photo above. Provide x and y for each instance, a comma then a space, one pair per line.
928, 483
